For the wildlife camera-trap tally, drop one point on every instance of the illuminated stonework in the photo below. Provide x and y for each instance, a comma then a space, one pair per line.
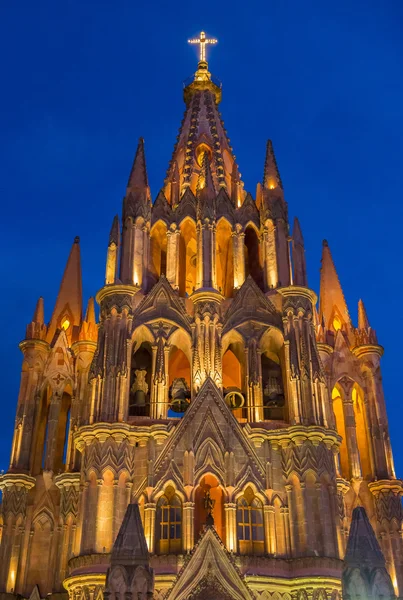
245, 422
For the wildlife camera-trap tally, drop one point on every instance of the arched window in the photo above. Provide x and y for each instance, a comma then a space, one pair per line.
250, 524
169, 522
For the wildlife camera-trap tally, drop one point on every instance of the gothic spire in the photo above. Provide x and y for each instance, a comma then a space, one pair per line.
137, 201
332, 304
271, 174
202, 130
68, 308
138, 175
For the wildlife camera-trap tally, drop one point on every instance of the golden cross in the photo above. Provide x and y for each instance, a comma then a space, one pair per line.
202, 40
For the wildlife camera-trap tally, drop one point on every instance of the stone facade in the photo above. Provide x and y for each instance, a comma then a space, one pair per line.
244, 422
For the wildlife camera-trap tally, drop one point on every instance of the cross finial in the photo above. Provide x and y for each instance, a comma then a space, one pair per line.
202, 41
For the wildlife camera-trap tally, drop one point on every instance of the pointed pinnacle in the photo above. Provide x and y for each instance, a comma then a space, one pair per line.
90, 312
363, 322
331, 293
271, 174
297, 233
363, 548
69, 297
138, 175
114, 235
39, 314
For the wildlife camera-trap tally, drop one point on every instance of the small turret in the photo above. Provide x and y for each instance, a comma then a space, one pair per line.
67, 313
130, 555
36, 330
88, 330
364, 333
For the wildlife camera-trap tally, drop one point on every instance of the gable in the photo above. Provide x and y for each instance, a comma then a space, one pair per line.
162, 303
209, 572
208, 425
251, 303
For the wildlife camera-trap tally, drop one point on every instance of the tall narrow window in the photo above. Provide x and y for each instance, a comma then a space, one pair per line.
169, 522
250, 524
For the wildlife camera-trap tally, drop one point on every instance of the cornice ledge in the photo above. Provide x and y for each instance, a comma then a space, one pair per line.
67, 480
383, 485
17, 479
296, 290
120, 432
360, 351
297, 434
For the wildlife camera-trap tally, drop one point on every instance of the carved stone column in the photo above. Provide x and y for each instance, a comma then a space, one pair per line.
230, 526
351, 433
270, 256
188, 526
239, 256
173, 237
149, 525
270, 529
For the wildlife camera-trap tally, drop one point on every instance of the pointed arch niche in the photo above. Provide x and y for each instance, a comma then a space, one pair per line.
53, 441
253, 265
179, 373
234, 368
361, 427
224, 259
361, 430
337, 399
187, 257
273, 378
140, 379
209, 483
158, 250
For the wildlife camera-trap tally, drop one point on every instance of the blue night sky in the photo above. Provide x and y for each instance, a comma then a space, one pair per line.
81, 80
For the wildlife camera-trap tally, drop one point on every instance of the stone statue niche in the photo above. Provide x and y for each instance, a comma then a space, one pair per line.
273, 390
140, 382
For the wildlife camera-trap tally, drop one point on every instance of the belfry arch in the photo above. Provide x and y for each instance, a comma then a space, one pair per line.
224, 258
158, 250
187, 257
253, 265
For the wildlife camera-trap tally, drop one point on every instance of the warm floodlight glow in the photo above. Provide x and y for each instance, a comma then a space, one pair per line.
202, 40
336, 323
65, 324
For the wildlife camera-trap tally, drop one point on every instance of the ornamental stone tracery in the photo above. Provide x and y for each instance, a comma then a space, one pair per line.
212, 373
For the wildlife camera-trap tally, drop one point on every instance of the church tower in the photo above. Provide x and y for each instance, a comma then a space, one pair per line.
212, 434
